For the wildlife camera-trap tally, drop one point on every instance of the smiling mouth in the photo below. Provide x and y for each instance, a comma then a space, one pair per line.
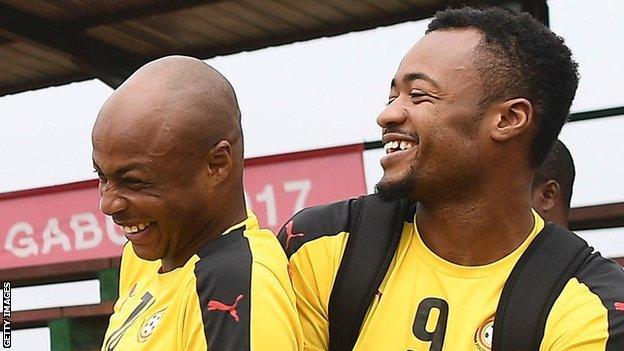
136, 228
398, 145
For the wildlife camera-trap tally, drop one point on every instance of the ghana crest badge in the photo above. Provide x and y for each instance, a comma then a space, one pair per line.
483, 335
149, 325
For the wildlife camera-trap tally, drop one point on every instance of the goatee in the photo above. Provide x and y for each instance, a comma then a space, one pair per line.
398, 189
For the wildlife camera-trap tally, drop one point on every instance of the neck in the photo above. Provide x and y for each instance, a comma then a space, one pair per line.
226, 217
481, 227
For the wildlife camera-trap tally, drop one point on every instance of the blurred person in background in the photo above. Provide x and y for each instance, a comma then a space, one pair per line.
552, 185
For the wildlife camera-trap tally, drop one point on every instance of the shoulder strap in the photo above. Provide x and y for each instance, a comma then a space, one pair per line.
374, 233
533, 286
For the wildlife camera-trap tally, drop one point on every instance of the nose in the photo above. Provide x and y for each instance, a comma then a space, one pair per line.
393, 114
110, 202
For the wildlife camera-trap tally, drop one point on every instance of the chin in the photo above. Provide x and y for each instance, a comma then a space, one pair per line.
390, 190
145, 253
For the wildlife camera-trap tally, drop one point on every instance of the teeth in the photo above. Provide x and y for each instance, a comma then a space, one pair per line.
406, 145
392, 146
135, 228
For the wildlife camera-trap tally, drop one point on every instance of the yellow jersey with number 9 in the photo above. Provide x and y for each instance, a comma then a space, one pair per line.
428, 304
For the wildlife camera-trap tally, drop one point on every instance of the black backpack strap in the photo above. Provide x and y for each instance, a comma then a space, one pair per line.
534, 284
374, 233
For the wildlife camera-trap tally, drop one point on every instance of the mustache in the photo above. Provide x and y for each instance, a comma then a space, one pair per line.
397, 130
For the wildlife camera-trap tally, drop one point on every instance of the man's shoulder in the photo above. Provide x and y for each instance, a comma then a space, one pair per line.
590, 309
221, 281
331, 220
599, 282
316, 222
267, 254
233, 256
602, 276
227, 256
327, 218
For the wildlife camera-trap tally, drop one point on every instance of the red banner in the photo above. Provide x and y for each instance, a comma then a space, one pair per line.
63, 223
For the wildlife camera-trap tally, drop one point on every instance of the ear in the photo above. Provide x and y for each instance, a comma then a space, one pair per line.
220, 161
545, 196
514, 118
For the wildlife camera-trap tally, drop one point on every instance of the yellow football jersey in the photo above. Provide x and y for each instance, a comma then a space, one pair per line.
427, 303
234, 294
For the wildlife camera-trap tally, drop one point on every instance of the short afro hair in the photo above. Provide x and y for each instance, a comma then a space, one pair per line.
520, 57
558, 166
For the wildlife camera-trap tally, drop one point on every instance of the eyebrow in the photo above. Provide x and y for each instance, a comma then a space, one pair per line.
127, 168
409, 77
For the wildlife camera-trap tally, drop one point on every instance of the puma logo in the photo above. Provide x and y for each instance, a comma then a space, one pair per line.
214, 305
290, 235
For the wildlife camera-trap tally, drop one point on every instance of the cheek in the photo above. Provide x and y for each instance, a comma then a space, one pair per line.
187, 206
158, 208
454, 127
448, 148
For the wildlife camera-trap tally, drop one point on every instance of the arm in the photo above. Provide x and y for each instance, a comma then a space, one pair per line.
312, 310
274, 321
314, 267
586, 316
314, 241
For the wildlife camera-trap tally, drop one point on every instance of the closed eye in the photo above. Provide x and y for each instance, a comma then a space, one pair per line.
100, 174
417, 94
135, 184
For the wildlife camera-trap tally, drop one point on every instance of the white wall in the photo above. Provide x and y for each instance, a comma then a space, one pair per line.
85, 292
31, 339
596, 146
609, 241
593, 29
